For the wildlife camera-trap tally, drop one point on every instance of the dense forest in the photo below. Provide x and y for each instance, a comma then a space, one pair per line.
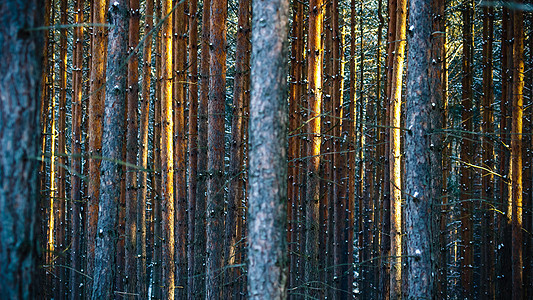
266, 149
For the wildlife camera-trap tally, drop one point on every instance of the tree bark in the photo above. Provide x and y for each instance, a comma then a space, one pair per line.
75, 160
268, 152
94, 128
395, 153
20, 70
215, 149
113, 137
312, 198
422, 147
167, 163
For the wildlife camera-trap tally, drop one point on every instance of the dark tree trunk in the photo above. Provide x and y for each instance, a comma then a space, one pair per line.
233, 247
422, 148
200, 232
75, 161
132, 94
113, 137
20, 73
267, 277
215, 148
467, 154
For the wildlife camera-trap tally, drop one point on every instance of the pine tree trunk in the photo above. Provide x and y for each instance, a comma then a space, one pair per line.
167, 163
20, 70
94, 128
268, 153
516, 155
467, 154
113, 137
215, 150
233, 247
312, 198
142, 178
395, 153
422, 147
75, 160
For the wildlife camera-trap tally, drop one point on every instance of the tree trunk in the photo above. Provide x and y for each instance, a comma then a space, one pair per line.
132, 94
75, 160
113, 137
487, 190
167, 163
20, 70
233, 247
395, 153
94, 128
193, 142
516, 154
200, 222
179, 103
268, 152
312, 198
422, 147
215, 148
467, 154
142, 178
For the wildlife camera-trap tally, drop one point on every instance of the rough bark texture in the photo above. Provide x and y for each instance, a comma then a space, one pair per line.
113, 137
167, 163
142, 287
422, 148
267, 277
20, 73
215, 150
233, 248
94, 128
312, 198
75, 160
395, 153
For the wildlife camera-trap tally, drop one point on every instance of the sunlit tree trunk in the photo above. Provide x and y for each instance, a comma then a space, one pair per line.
467, 154
516, 154
314, 138
20, 73
75, 159
395, 153
215, 150
233, 247
268, 152
113, 137
167, 162
94, 128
